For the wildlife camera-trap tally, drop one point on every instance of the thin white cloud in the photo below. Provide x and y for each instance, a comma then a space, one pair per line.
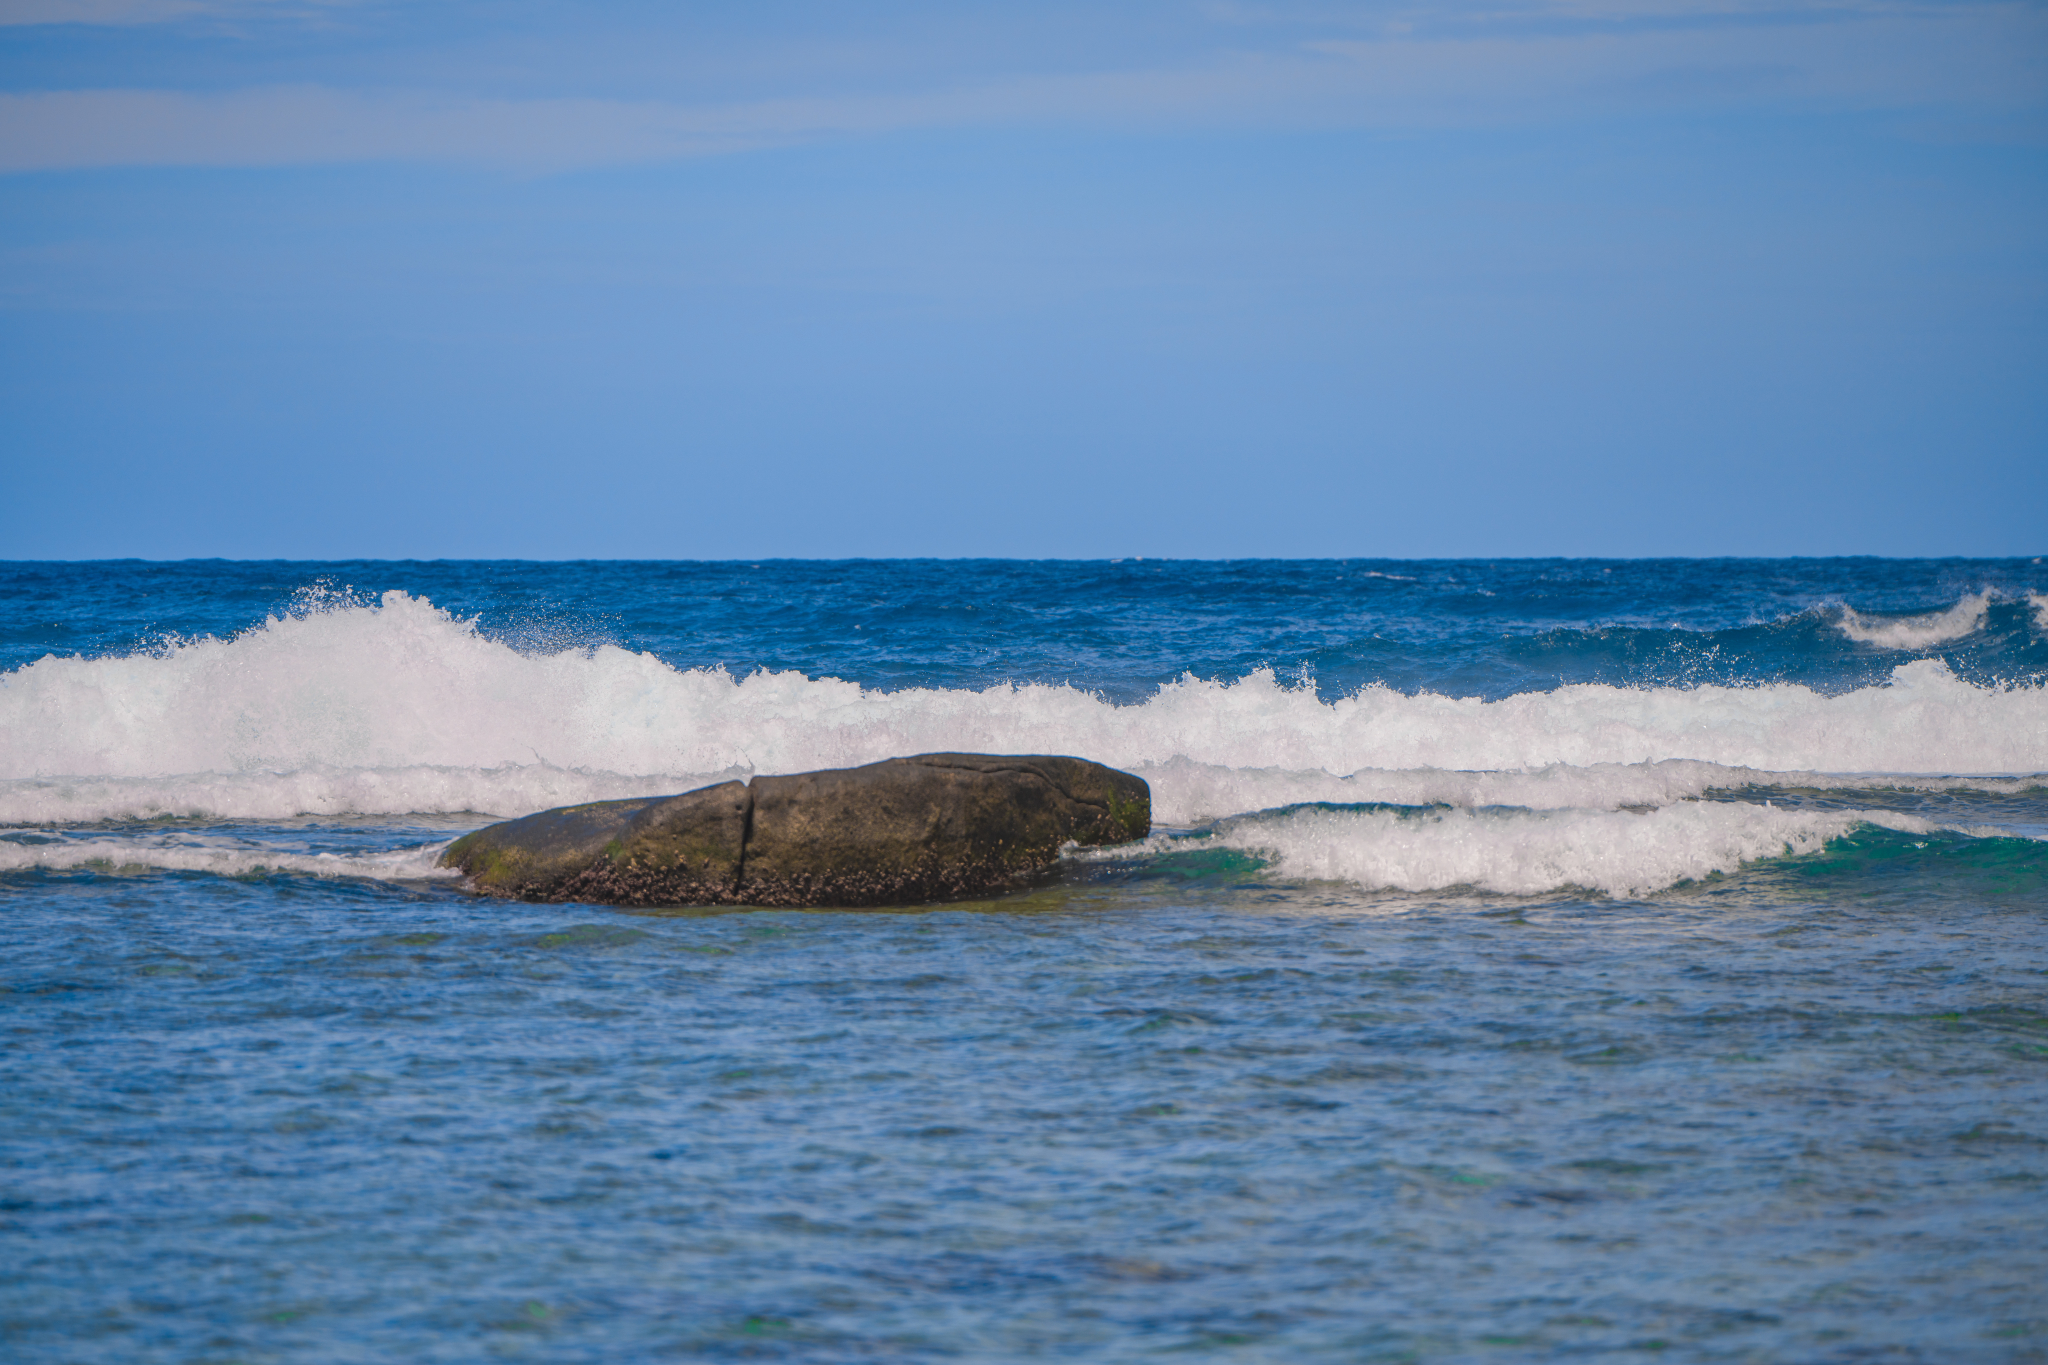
120, 13
26, 12
1375, 14
280, 126
1413, 16
1980, 62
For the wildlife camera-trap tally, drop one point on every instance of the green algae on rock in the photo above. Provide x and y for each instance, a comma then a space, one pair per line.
891, 833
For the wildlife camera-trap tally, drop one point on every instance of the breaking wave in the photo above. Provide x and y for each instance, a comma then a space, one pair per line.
1922, 631
227, 858
400, 708
1528, 852
412, 709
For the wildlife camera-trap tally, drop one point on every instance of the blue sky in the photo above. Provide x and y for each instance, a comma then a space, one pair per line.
1602, 277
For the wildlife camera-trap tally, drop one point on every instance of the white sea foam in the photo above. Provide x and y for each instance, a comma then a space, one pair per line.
1512, 852
1917, 632
2039, 602
399, 707
1523, 852
222, 858
517, 789
1186, 794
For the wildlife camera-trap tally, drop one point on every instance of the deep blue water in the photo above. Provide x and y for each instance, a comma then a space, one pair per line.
1538, 960
1467, 628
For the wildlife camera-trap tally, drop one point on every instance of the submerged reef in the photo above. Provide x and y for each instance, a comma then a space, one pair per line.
891, 833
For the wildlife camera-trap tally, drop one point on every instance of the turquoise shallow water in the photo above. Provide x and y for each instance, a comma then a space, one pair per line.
1267, 1088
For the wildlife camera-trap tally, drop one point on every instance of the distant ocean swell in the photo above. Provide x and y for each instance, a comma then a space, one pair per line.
399, 708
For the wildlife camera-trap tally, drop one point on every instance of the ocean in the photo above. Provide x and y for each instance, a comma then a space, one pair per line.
1532, 960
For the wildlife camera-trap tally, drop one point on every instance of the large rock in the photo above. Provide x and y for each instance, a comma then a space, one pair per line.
891, 833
